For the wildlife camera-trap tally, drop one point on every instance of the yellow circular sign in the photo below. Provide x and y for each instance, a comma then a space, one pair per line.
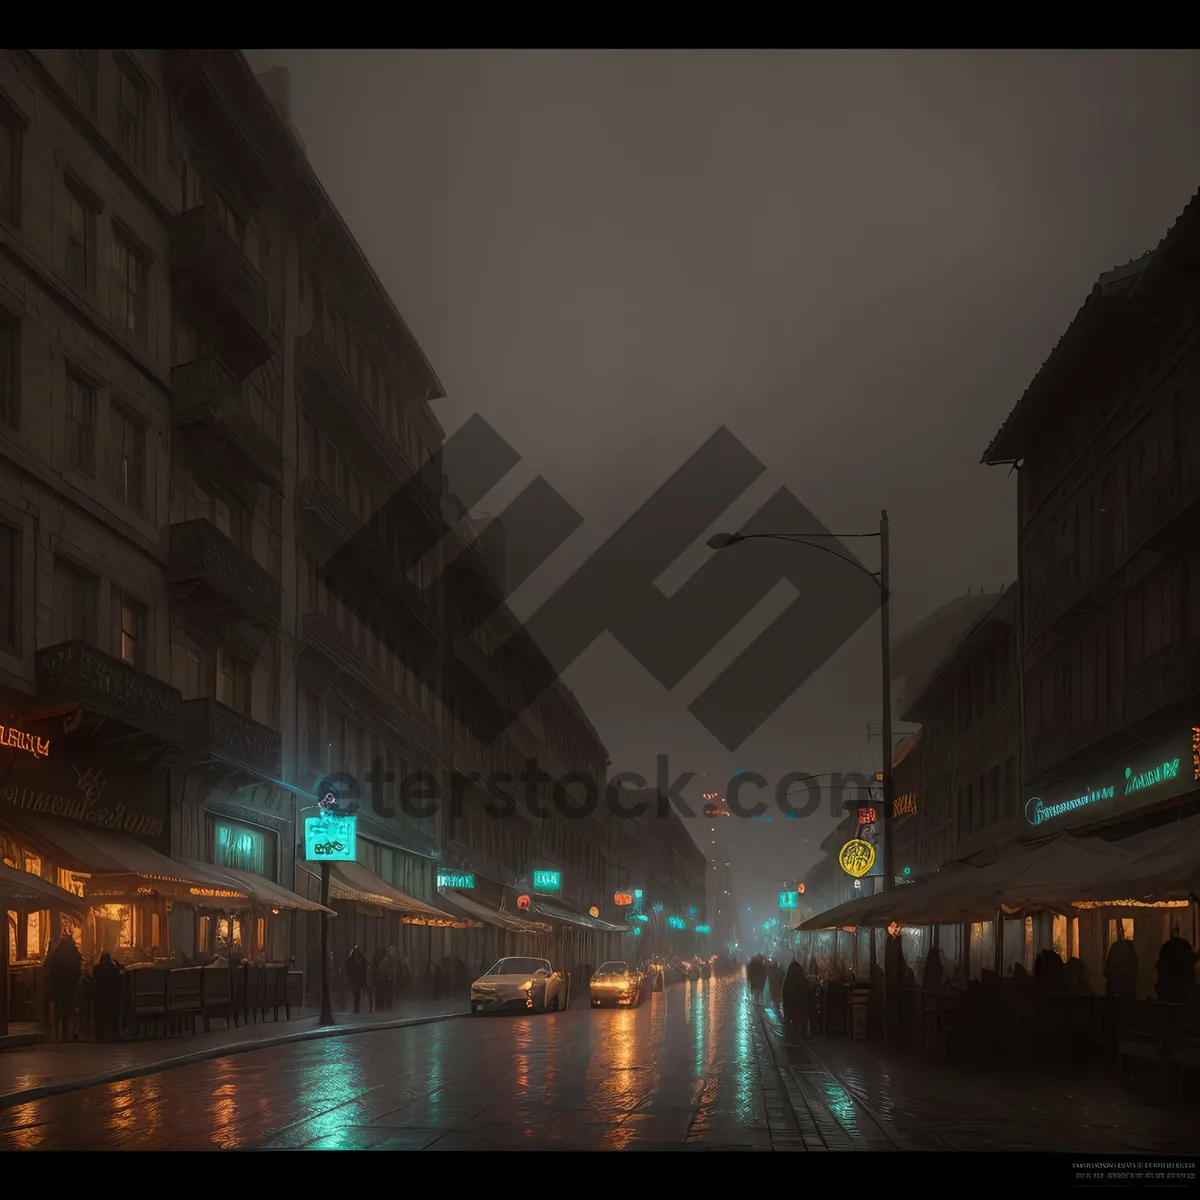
593, 912
857, 858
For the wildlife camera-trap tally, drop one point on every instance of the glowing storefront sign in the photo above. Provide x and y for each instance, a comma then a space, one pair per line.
622, 899
547, 881
593, 912
905, 806
1162, 774
702, 929
638, 917
1091, 904
894, 928
788, 899
331, 837
216, 893
18, 739
448, 879
676, 923
523, 903
866, 816
637, 931
856, 858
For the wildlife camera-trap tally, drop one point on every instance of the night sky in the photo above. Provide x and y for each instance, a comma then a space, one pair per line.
855, 261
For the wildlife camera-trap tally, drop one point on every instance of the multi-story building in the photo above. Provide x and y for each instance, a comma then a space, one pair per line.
1107, 441
215, 440
719, 903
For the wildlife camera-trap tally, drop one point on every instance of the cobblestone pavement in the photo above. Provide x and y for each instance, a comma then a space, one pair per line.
873, 1096
689, 1069
60, 1065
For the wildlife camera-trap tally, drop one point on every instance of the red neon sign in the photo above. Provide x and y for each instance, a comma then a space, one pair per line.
523, 902
866, 816
622, 899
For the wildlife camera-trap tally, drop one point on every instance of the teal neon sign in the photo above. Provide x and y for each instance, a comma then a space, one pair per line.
789, 899
676, 923
547, 881
331, 837
702, 929
1148, 779
638, 917
637, 931
462, 883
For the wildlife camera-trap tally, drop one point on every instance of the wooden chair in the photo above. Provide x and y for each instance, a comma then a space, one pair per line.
184, 999
149, 999
216, 995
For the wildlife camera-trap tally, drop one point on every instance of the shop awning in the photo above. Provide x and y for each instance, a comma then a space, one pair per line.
493, 916
1164, 867
124, 871
23, 890
263, 891
353, 882
556, 912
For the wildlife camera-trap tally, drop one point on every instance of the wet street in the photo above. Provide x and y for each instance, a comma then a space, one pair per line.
698, 1067
680, 1071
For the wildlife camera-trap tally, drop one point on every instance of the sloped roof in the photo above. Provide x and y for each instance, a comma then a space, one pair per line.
1108, 297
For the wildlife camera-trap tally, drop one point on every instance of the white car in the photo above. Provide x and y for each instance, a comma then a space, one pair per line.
519, 984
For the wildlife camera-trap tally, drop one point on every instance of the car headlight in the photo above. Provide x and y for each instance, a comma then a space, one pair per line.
527, 986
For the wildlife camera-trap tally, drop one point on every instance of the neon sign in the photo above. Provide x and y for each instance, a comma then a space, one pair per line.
894, 928
1037, 811
788, 899
523, 903
702, 929
593, 912
638, 917
676, 922
331, 837
1147, 779
866, 816
905, 805
462, 883
547, 881
856, 858
622, 899
18, 739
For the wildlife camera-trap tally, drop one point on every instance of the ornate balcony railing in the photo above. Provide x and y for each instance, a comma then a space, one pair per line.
224, 575
76, 672
223, 292
207, 408
217, 732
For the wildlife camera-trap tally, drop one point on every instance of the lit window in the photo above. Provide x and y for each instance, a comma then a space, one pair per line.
133, 632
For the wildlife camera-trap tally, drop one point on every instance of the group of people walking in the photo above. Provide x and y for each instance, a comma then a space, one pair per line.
81, 1000
795, 992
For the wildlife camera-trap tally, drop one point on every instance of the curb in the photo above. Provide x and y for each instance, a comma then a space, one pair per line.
29, 1095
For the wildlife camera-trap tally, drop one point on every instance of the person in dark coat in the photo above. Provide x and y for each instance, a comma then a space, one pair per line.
356, 975
106, 998
1050, 972
1176, 961
64, 967
1121, 967
794, 986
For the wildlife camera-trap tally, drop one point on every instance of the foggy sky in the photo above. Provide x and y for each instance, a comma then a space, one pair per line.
856, 261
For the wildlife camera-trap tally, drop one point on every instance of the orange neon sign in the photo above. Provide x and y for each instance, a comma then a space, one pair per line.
622, 899
523, 902
866, 816
18, 739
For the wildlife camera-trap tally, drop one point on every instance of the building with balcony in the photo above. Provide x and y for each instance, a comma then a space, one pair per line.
1106, 440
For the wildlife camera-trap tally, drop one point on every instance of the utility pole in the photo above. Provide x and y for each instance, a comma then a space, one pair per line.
885, 634
326, 989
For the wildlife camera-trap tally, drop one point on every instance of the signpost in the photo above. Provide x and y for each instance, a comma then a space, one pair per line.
331, 836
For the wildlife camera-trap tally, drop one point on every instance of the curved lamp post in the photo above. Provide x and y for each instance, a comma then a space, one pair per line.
723, 541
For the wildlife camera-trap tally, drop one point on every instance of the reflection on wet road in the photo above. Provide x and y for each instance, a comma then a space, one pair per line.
679, 1071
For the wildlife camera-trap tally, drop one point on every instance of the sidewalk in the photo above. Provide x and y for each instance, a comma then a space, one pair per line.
918, 1102
29, 1073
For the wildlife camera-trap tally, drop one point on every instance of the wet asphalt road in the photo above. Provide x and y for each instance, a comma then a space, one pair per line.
681, 1071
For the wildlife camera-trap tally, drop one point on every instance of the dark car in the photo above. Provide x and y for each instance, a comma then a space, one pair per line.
690, 969
705, 966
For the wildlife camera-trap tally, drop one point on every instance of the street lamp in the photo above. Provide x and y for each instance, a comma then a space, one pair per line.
722, 541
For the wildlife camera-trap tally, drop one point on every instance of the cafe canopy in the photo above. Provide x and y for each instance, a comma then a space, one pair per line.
351, 881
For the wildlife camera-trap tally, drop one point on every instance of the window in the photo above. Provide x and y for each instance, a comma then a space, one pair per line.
82, 67
74, 604
133, 631
81, 425
196, 670
129, 459
233, 682
10, 586
80, 264
240, 846
131, 116
10, 165
227, 515
127, 290
312, 716
10, 367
